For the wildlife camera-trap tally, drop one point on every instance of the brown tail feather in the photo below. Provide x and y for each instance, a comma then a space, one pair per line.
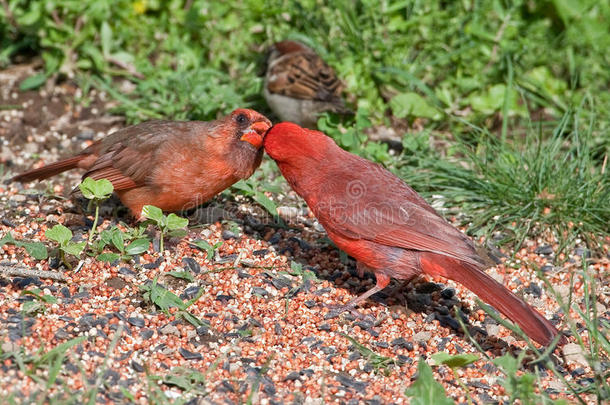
489, 290
49, 170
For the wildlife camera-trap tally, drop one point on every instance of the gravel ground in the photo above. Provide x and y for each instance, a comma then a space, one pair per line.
261, 325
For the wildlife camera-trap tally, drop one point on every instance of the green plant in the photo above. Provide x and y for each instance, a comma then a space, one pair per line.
249, 188
296, 269
184, 275
118, 239
425, 390
37, 305
35, 249
351, 135
95, 191
190, 381
377, 361
256, 384
521, 387
206, 247
165, 299
171, 224
454, 362
51, 361
551, 183
63, 236
597, 351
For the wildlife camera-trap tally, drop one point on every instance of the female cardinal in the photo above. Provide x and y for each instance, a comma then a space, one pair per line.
385, 225
172, 165
299, 85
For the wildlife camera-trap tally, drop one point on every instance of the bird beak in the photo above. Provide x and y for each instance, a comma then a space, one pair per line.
255, 133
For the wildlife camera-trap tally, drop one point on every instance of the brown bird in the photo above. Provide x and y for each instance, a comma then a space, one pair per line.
299, 85
385, 225
173, 165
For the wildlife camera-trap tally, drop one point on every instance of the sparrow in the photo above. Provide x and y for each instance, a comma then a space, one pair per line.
299, 85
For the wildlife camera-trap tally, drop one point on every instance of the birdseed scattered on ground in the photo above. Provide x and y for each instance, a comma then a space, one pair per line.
259, 323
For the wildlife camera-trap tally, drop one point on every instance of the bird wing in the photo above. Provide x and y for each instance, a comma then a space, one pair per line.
127, 158
373, 204
304, 75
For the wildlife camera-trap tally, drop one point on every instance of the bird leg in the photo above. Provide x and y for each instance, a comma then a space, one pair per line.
360, 267
382, 282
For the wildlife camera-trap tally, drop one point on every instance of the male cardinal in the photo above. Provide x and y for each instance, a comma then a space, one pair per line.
173, 165
299, 85
385, 225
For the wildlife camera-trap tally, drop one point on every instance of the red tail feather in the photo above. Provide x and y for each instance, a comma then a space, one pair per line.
49, 170
489, 290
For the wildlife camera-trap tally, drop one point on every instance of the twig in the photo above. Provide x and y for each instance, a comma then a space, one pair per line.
131, 69
498, 37
10, 270
56, 18
9, 15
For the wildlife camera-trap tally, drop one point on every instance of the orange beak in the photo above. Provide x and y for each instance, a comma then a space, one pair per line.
255, 133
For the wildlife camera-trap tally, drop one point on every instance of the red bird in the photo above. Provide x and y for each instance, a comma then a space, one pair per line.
385, 225
173, 165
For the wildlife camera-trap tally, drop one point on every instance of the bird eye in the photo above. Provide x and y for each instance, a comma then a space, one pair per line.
241, 119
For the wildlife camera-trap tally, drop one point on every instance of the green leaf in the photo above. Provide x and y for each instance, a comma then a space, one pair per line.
177, 381
458, 360
517, 386
125, 57
31, 15
153, 213
163, 298
263, 200
205, 246
106, 236
96, 189
489, 101
184, 275
60, 349
176, 222
425, 390
414, 105
7, 239
108, 257
137, 246
59, 234
33, 82
243, 186
32, 307
347, 139
106, 38
74, 249
127, 394
178, 233
35, 249
35, 292
118, 240
190, 318
376, 360
508, 363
